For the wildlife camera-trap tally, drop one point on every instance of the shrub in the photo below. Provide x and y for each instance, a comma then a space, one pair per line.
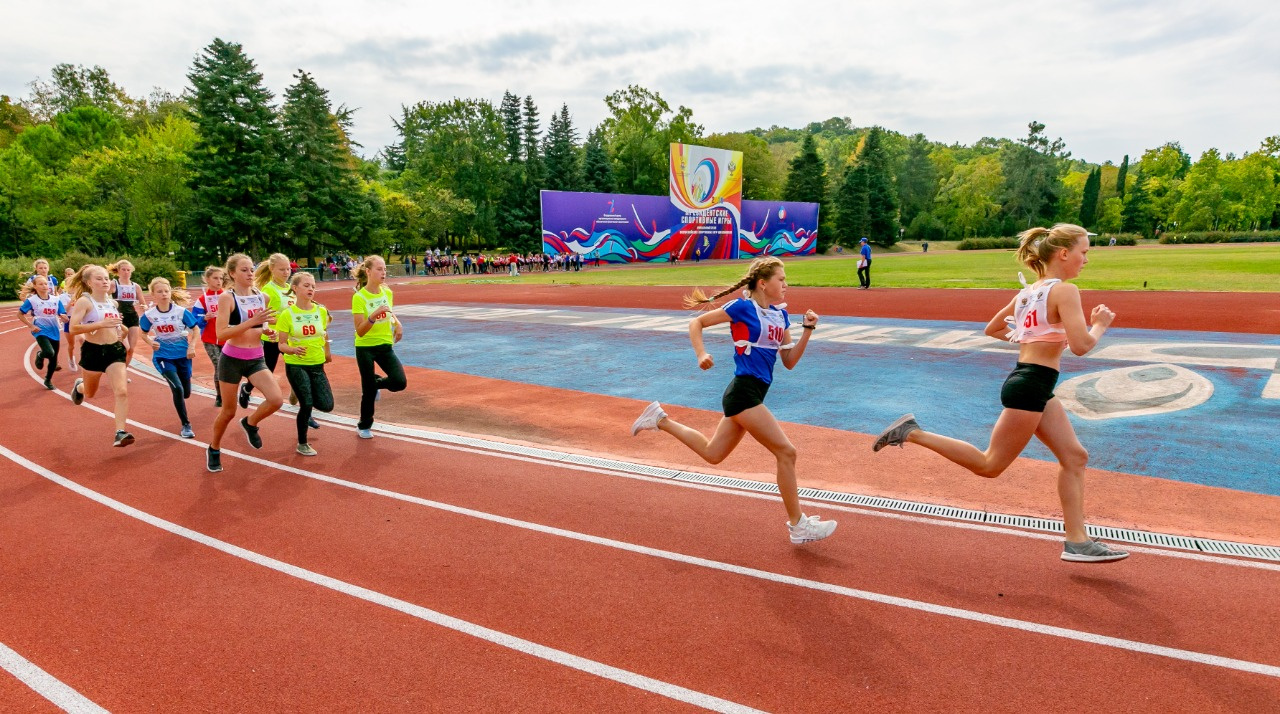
1222, 237
1121, 238
988, 244
13, 273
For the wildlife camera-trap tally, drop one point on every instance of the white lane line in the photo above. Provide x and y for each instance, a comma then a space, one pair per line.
45, 684
434, 440
893, 600
502, 639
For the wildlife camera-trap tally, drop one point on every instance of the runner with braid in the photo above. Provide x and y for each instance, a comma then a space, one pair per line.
760, 327
1044, 318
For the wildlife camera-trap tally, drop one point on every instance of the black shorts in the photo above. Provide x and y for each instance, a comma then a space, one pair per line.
96, 358
233, 369
128, 315
742, 394
1028, 387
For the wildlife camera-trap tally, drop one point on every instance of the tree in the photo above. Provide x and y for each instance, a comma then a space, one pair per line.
968, 202
853, 214
597, 169
1031, 176
807, 182
529, 233
1122, 177
638, 132
325, 196
882, 196
1136, 215
1201, 205
560, 156
762, 177
78, 86
236, 198
1089, 205
917, 180
512, 121
14, 118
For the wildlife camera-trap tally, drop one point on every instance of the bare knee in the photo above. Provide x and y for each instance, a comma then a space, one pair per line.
275, 401
1076, 459
785, 454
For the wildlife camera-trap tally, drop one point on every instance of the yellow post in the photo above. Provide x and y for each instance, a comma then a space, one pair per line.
182, 279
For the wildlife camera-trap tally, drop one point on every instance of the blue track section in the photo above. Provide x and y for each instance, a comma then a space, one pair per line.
1226, 441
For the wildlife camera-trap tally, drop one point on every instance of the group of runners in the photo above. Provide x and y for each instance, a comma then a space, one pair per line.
246, 318
1044, 318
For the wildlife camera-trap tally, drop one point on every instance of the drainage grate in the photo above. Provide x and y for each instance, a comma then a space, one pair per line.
1163, 540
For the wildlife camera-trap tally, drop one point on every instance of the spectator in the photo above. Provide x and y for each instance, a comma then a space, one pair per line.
864, 265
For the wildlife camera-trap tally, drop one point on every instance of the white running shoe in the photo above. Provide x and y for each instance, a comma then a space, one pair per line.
364, 433
809, 529
1091, 551
649, 418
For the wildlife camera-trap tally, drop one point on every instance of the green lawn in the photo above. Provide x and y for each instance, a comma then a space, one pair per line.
1231, 268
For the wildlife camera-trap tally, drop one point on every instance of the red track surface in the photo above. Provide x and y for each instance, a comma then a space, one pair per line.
137, 618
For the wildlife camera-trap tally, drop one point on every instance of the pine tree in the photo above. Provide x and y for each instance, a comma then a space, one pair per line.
511, 216
853, 217
530, 233
597, 169
1089, 204
882, 196
1137, 209
561, 156
511, 124
1122, 176
236, 200
807, 182
325, 196
917, 180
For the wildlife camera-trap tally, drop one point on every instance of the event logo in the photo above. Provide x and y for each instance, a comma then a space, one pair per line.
1143, 390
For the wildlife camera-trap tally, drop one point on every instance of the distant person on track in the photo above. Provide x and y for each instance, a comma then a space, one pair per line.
96, 316
41, 267
303, 329
864, 265
129, 298
1045, 318
73, 341
760, 327
242, 318
377, 330
41, 311
174, 344
205, 309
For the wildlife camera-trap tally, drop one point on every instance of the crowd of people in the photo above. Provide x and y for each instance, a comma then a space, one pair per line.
250, 316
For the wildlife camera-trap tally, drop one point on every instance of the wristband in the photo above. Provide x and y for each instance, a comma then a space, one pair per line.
810, 327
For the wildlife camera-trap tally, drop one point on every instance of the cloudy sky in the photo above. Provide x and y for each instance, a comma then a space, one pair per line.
1109, 77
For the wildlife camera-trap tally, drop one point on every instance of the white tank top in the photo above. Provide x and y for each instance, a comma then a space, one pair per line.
101, 311
126, 293
1030, 321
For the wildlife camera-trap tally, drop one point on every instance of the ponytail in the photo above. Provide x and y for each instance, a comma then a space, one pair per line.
1037, 245
759, 269
262, 275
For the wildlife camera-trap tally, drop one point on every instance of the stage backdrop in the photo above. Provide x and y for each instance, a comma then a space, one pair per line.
624, 228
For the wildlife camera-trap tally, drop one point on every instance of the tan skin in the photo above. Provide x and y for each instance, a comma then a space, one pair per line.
163, 296
248, 335
757, 421
304, 293
104, 332
124, 273
40, 285
1015, 427
363, 323
73, 348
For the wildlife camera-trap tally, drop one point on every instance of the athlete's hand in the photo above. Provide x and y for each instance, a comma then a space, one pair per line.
705, 361
378, 314
810, 318
112, 322
1102, 315
262, 318
399, 332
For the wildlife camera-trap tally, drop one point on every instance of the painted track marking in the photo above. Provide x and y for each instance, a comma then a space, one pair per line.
891, 600
45, 684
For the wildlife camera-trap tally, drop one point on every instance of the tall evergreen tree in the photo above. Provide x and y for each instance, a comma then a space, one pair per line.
325, 196
1122, 177
597, 169
1032, 185
1137, 209
853, 215
561, 156
512, 123
917, 180
511, 215
1089, 204
882, 196
529, 236
807, 182
236, 201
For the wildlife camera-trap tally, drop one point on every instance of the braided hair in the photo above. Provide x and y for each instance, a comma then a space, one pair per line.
759, 269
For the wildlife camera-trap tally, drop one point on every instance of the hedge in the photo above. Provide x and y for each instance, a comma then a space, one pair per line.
1222, 237
15, 271
1012, 243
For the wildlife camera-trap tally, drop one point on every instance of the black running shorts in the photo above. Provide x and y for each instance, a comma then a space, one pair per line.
742, 394
1029, 387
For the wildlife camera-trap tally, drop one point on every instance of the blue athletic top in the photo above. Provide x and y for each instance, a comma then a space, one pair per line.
44, 314
758, 334
171, 329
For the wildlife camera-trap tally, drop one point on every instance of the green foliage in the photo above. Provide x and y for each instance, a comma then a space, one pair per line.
882, 197
762, 177
988, 244
926, 227
1123, 177
597, 169
561, 156
1129, 239
1089, 204
1030, 169
1221, 237
807, 182
638, 132
917, 180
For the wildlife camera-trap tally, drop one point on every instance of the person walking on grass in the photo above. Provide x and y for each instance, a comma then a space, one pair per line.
1044, 318
760, 327
242, 319
864, 265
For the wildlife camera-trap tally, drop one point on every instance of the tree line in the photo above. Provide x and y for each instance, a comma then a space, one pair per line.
223, 167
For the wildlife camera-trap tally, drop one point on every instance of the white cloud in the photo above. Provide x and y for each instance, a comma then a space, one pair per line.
1110, 78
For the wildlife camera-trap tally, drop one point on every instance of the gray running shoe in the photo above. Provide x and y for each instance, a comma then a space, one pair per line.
1091, 551
77, 392
123, 438
364, 433
809, 529
306, 450
897, 432
649, 418
187, 433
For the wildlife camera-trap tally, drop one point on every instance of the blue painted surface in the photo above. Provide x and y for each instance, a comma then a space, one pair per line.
1228, 441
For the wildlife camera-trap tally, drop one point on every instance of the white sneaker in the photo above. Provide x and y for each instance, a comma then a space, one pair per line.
649, 418
809, 529
364, 433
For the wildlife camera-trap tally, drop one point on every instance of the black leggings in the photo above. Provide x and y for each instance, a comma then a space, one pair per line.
49, 348
370, 382
311, 386
177, 372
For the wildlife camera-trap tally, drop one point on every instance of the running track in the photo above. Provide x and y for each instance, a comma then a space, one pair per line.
399, 575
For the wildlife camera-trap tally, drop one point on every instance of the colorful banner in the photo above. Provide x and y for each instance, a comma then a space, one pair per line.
706, 190
623, 228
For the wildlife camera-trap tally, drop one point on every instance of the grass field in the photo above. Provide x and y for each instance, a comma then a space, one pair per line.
1230, 268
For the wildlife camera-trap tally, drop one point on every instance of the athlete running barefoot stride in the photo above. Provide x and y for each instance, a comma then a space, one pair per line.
1045, 318
761, 328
